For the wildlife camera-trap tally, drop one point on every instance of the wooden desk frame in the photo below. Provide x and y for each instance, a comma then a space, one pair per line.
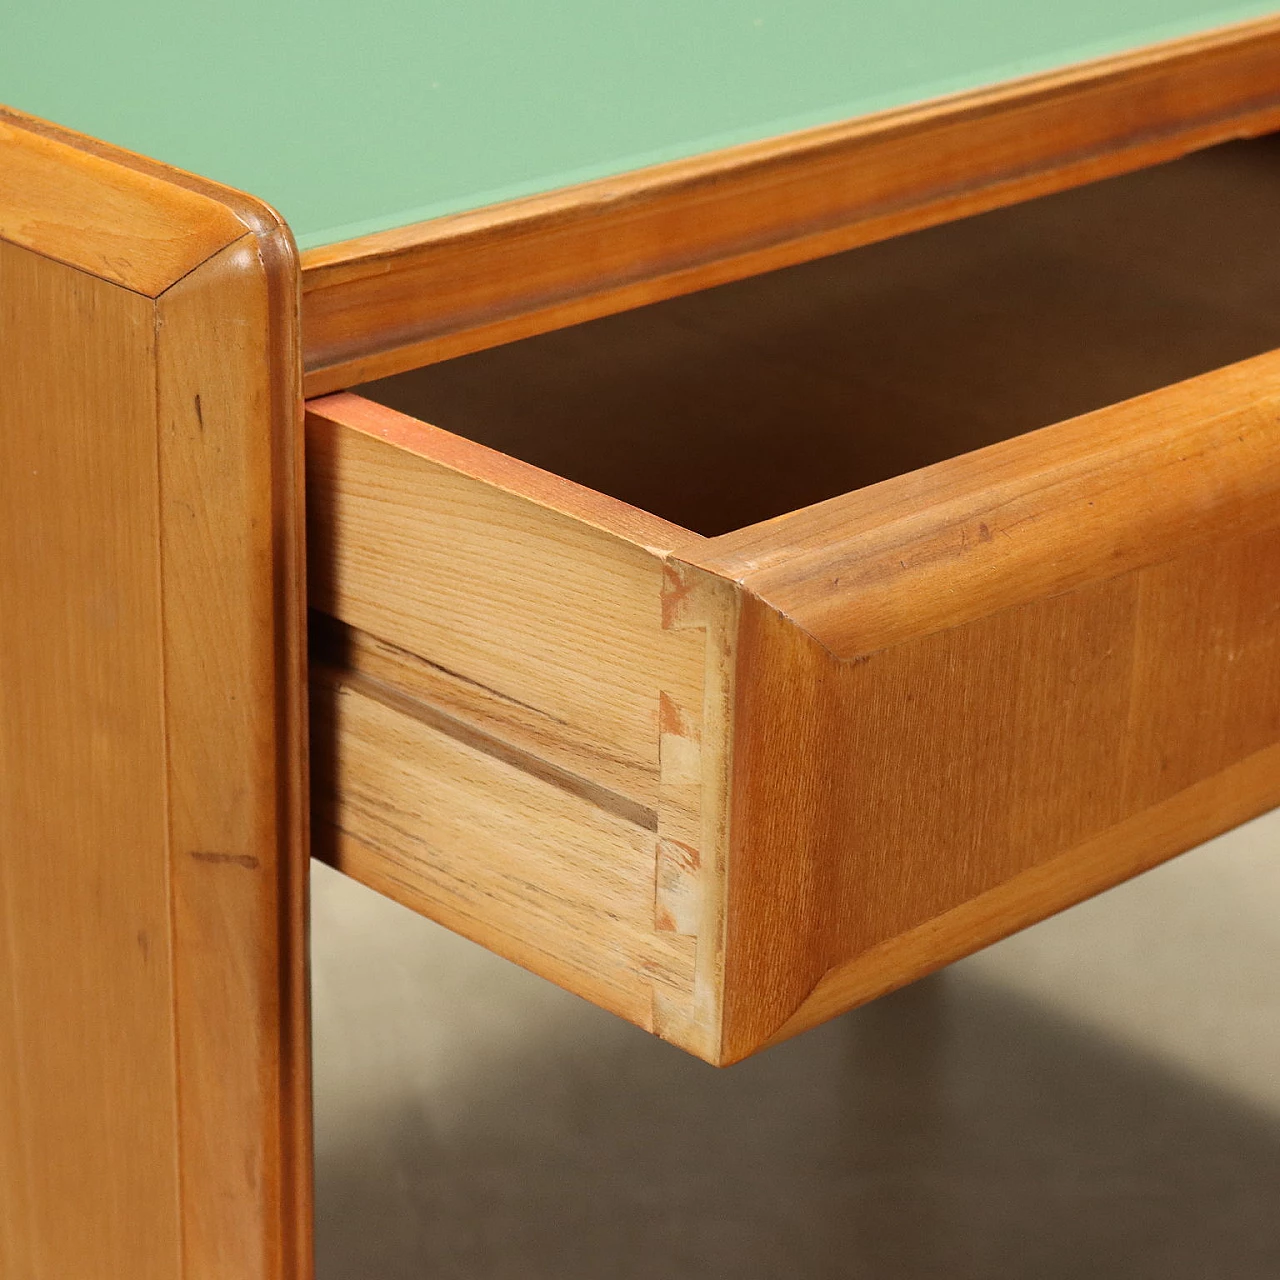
154, 1069
154, 1055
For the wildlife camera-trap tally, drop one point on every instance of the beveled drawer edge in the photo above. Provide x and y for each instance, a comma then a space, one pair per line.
1030, 517
1187, 819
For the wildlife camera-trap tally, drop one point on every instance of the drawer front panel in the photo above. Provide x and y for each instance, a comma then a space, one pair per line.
953, 684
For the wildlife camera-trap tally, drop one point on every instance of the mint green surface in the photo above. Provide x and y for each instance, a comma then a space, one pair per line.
356, 117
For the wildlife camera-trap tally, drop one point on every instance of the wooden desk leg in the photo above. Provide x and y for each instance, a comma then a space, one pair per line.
154, 1070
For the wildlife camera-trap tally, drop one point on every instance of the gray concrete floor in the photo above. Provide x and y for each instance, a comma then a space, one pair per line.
1097, 1097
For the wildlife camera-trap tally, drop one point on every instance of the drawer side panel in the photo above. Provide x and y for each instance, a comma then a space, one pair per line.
555, 625
519, 863
522, 713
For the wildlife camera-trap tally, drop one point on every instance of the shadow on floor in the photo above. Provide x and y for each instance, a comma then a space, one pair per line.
473, 1121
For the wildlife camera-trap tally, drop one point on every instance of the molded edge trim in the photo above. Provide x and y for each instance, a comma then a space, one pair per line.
387, 302
83, 204
1123, 487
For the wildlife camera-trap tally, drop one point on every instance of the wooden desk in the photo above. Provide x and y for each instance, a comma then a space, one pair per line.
726, 783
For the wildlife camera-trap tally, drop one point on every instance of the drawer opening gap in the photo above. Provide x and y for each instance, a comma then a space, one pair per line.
335, 665
739, 403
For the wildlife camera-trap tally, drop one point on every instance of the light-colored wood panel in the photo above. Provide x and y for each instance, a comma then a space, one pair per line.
490, 577
93, 1187
391, 301
534, 871
695, 751
475, 711
535, 640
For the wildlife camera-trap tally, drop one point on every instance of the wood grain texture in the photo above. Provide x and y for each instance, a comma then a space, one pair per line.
232, 586
88, 1084
1113, 490
394, 300
503, 578
534, 869
520, 713
116, 223
695, 754
914, 718
1028, 662
1187, 818
154, 1089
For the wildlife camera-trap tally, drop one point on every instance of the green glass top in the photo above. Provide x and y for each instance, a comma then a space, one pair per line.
356, 117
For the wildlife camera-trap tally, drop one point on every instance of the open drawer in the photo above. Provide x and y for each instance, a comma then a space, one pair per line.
808, 658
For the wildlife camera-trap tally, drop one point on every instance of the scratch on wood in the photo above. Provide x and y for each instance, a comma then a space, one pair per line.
681, 857
674, 721
675, 589
245, 860
677, 906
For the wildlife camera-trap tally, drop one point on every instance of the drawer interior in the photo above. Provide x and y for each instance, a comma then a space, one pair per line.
736, 404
